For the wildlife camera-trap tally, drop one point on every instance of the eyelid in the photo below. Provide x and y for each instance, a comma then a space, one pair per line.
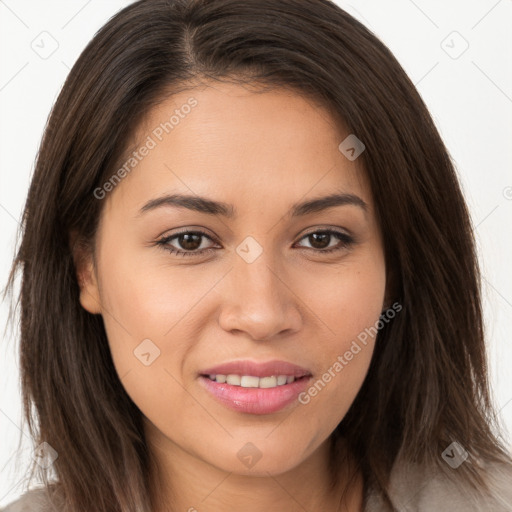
202, 231
346, 241
326, 228
164, 241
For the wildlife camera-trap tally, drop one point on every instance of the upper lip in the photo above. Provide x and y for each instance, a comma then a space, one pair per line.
257, 369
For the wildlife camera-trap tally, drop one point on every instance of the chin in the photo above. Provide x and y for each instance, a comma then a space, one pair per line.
260, 458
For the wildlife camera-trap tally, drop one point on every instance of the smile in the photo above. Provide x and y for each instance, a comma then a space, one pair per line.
251, 381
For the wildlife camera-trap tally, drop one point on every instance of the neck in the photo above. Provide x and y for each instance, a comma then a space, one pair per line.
183, 482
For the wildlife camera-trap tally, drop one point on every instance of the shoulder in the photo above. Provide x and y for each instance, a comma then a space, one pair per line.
35, 500
413, 488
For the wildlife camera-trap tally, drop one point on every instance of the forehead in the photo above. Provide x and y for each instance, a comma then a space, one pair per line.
234, 143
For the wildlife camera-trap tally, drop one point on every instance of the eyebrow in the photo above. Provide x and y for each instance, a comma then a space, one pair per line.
218, 208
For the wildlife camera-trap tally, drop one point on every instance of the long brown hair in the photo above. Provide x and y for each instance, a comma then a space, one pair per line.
427, 384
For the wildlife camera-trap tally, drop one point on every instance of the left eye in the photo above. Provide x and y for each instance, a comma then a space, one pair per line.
321, 240
188, 240
190, 243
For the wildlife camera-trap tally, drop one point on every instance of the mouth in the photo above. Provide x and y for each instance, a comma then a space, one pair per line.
251, 381
255, 388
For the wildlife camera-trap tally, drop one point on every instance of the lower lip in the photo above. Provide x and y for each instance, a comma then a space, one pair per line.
255, 400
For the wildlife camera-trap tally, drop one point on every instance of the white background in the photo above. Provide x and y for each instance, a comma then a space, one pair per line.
470, 98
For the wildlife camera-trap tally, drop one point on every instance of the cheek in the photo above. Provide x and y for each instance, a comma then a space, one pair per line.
142, 307
348, 298
146, 299
349, 305
145, 314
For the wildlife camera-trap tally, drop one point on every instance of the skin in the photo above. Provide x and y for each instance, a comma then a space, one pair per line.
261, 153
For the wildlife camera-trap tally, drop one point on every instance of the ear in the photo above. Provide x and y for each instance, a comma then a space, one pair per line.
85, 274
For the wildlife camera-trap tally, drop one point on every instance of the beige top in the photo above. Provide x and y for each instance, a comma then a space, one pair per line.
411, 489
417, 490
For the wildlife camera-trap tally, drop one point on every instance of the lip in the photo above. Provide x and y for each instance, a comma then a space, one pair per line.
257, 369
256, 400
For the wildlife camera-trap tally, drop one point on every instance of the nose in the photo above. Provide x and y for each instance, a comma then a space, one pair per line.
259, 301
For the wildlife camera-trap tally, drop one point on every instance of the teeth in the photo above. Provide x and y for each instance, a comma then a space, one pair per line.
268, 382
234, 380
249, 381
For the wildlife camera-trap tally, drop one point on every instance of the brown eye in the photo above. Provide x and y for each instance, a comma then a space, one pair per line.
189, 241
320, 241
186, 243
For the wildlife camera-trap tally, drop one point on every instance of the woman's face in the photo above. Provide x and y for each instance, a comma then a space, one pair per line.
258, 287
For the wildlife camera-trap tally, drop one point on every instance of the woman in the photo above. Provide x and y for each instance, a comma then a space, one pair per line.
242, 287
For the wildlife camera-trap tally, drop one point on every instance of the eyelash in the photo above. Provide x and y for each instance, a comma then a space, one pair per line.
346, 241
